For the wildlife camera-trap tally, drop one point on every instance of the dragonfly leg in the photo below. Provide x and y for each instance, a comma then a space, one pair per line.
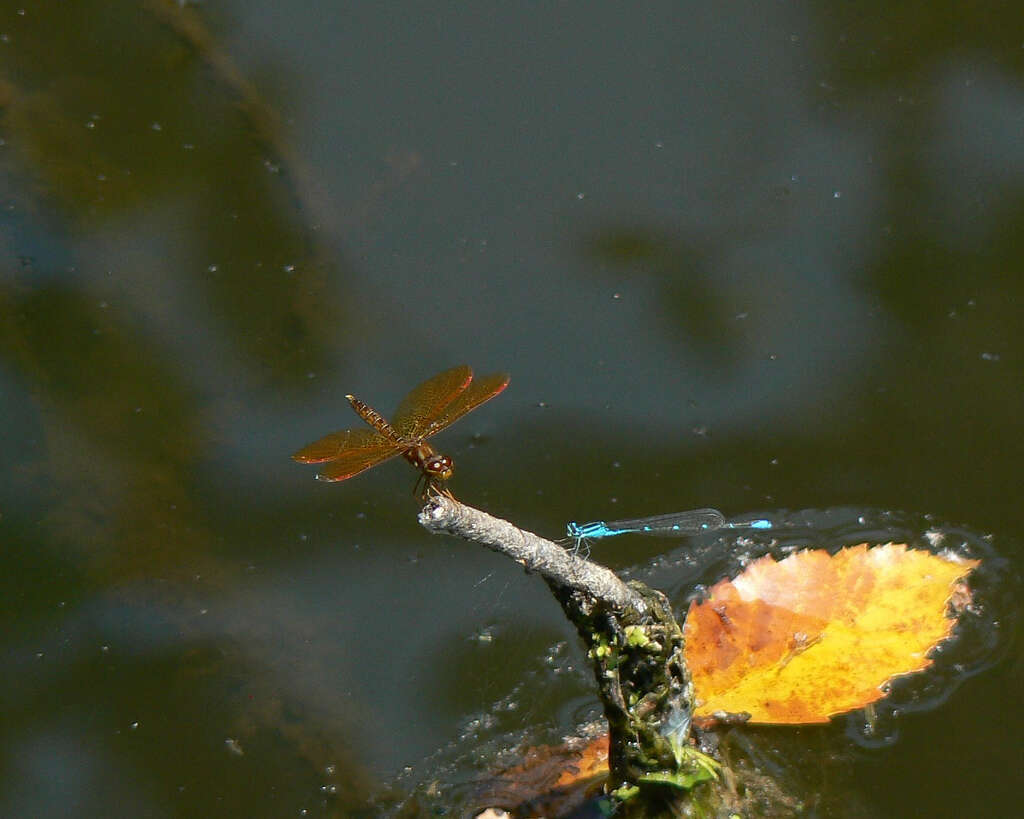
432, 487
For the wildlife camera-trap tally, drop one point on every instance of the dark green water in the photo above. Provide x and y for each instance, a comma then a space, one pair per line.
747, 256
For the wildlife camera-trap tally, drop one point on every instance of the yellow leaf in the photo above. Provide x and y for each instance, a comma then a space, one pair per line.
815, 635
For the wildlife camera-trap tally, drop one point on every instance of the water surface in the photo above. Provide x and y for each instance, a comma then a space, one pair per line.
751, 257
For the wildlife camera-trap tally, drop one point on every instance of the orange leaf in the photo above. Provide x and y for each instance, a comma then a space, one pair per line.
592, 761
551, 780
815, 635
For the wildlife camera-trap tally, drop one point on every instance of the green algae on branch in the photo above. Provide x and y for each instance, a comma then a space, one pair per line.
637, 657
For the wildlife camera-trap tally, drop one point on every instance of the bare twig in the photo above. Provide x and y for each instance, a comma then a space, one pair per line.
532, 552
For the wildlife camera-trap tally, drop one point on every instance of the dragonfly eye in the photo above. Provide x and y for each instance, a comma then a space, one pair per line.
439, 466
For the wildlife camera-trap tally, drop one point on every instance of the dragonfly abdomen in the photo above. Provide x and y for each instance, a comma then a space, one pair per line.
374, 419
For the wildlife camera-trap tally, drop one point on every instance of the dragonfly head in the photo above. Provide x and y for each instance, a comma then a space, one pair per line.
438, 466
434, 465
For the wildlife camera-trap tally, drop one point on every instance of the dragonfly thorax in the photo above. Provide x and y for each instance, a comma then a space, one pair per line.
432, 463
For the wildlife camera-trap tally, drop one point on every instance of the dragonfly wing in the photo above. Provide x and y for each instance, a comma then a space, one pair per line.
355, 461
421, 407
480, 390
341, 443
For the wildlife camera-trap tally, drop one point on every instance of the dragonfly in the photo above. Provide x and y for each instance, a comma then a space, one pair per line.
435, 404
691, 522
